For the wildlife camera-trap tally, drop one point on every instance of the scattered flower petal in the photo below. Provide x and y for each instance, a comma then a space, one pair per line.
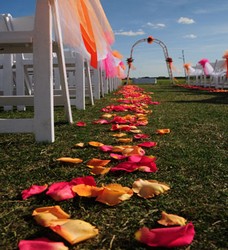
107, 115
114, 194
97, 162
101, 121
119, 149
149, 188
171, 220
95, 144
163, 131
119, 135
106, 148
86, 190
96, 170
41, 243
75, 231
125, 166
61, 191
88, 180
45, 215
133, 150
33, 190
55, 210
148, 144
141, 136
81, 124
118, 156
122, 127
80, 144
136, 131
70, 160
137, 162
124, 140
166, 237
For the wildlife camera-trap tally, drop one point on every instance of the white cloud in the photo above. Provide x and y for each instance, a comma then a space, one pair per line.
130, 33
185, 20
191, 36
156, 25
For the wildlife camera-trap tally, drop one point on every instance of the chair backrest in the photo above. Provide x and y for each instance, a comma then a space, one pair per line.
39, 41
3, 23
25, 23
220, 66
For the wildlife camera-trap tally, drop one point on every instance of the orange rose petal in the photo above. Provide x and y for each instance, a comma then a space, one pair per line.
45, 215
124, 140
163, 131
171, 220
70, 160
75, 231
95, 144
98, 162
45, 219
114, 194
136, 131
80, 144
55, 210
149, 188
99, 170
133, 150
86, 190
119, 135
107, 115
118, 149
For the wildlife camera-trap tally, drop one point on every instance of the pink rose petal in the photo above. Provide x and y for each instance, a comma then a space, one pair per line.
141, 136
148, 144
33, 190
61, 191
81, 124
87, 180
166, 237
41, 244
118, 156
106, 148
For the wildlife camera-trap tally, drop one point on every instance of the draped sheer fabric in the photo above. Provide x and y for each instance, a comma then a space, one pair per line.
70, 21
92, 34
106, 27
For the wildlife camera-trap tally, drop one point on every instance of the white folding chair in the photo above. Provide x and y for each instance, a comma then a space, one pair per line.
39, 42
218, 76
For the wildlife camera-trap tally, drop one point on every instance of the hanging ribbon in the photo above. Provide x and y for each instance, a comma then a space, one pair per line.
207, 68
225, 56
87, 32
187, 67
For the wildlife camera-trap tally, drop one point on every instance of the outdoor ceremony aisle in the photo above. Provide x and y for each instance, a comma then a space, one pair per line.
127, 154
113, 174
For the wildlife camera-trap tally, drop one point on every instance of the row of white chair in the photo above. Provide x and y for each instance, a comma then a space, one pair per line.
214, 76
51, 74
20, 71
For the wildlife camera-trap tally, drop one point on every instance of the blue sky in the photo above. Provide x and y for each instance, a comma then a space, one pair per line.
199, 28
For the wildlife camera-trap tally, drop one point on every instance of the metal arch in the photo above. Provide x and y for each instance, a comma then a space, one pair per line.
165, 51
132, 48
166, 54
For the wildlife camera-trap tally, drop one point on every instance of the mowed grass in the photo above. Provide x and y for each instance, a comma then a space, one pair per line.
192, 159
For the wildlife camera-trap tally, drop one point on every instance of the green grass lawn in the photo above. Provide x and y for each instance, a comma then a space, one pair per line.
192, 159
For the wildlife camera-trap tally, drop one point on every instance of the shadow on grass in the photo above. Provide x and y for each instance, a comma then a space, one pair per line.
215, 99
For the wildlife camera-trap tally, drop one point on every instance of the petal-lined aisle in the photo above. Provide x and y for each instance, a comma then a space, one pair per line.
127, 155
